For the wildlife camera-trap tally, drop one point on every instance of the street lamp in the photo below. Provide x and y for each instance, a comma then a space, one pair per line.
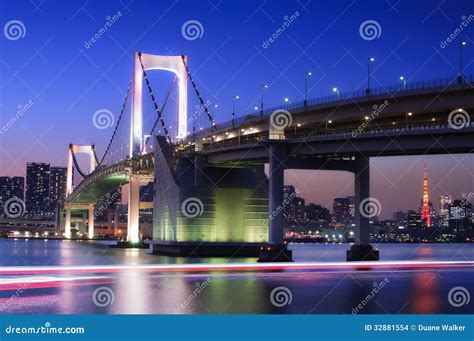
336, 91
307, 74
328, 122
369, 60
408, 114
402, 78
233, 109
287, 100
264, 86
461, 44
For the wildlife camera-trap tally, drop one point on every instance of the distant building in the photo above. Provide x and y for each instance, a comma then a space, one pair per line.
426, 210
443, 211
11, 187
341, 211
414, 220
57, 190
37, 188
399, 218
294, 205
317, 213
460, 215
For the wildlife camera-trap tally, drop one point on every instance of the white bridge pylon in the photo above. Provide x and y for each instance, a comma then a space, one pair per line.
174, 64
78, 149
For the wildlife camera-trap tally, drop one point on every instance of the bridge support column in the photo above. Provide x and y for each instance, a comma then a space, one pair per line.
133, 210
67, 223
276, 250
362, 250
91, 222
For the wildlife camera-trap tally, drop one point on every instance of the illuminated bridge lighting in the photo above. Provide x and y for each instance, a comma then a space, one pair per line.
16, 270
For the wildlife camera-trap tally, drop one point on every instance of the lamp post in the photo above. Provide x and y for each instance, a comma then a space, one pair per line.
287, 100
336, 91
233, 109
461, 44
402, 78
264, 87
408, 114
328, 122
307, 74
369, 60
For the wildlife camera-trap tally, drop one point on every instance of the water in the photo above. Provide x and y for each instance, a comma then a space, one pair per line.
399, 290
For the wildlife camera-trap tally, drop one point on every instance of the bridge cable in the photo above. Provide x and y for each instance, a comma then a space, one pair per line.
160, 112
118, 122
76, 164
203, 104
160, 116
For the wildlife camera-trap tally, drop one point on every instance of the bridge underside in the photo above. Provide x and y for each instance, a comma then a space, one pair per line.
98, 189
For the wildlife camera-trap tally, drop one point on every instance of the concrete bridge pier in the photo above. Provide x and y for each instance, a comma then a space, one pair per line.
67, 223
133, 210
362, 250
276, 250
90, 232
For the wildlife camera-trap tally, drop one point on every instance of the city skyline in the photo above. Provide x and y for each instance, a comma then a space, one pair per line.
53, 117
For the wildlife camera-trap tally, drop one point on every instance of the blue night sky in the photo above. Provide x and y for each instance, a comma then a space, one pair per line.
66, 82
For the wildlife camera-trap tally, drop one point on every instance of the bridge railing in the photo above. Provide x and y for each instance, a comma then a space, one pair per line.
348, 133
389, 90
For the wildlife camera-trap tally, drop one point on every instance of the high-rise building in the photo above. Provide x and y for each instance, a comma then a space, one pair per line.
11, 187
57, 189
425, 207
37, 188
443, 212
315, 213
460, 214
341, 211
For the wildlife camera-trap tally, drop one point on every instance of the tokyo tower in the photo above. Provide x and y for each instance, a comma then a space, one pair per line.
425, 211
